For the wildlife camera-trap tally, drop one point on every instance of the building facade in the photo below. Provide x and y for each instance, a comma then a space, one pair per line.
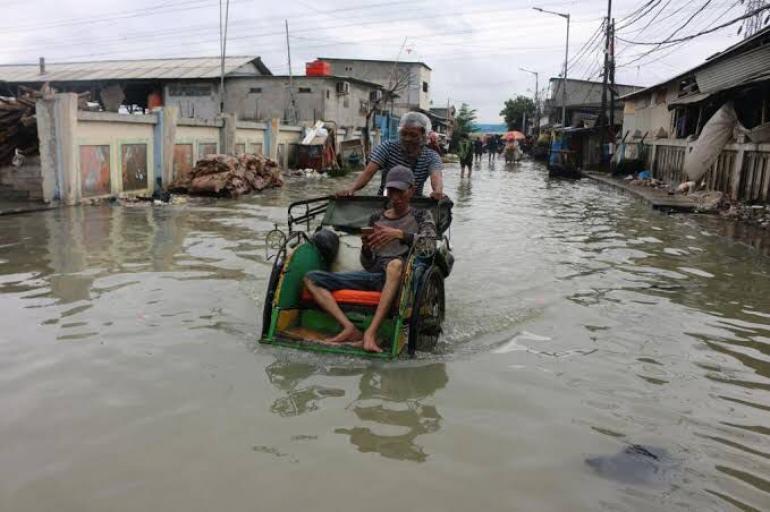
669, 117
343, 100
190, 84
583, 100
679, 107
409, 81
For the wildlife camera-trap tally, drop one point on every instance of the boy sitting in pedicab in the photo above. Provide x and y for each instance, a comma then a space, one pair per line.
382, 256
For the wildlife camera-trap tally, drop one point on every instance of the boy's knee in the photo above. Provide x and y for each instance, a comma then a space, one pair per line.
308, 279
395, 267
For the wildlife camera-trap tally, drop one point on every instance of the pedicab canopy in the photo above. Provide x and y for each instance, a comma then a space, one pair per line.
353, 213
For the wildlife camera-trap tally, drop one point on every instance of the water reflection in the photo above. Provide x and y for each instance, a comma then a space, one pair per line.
464, 193
299, 399
394, 399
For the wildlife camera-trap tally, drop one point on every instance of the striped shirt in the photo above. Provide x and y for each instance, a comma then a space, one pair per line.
390, 154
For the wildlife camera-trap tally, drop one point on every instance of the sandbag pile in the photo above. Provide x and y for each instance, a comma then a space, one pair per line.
229, 176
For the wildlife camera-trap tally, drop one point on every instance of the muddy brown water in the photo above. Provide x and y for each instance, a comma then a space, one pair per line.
579, 322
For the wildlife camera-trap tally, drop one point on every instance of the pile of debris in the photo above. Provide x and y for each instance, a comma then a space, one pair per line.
229, 176
757, 214
18, 126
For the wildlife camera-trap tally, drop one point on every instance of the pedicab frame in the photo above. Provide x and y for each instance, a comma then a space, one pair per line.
419, 307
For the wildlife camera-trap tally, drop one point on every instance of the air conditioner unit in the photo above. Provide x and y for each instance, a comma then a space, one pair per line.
375, 95
343, 87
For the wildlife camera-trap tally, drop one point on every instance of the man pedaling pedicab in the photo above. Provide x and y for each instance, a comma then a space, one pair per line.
410, 150
384, 248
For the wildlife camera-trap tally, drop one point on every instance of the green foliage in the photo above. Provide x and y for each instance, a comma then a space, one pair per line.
465, 123
514, 110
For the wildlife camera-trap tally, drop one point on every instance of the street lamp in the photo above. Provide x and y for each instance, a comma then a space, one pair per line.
537, 99
566, 58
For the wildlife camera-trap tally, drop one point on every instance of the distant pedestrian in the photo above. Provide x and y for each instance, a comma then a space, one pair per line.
491, 149
465, 152
434, 144
478, 149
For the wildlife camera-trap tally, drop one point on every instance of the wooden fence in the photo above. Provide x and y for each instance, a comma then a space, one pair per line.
742, 171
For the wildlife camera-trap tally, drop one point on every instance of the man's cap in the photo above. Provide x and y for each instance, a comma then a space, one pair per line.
400, 177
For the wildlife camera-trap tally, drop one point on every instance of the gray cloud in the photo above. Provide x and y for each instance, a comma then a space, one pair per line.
475, 48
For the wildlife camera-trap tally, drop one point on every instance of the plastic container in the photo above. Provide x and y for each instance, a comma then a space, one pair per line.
318, 68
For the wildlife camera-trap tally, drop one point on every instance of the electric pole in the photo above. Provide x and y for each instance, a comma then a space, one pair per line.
222, 51
613, 92
292, 114
603, 125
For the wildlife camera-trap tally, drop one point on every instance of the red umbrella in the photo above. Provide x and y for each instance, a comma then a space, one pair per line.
514, 135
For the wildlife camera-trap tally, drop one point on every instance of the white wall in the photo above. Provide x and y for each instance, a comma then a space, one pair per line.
114, 131
648, 112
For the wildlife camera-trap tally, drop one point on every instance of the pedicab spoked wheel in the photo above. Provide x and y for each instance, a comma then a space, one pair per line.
272, 284
427, 313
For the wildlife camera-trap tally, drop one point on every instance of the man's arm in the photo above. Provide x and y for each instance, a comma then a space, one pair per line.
362, 179
377, 160
437, 184
436, 168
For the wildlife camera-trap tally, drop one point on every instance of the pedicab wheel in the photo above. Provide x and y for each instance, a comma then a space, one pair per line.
427, 313
272, 284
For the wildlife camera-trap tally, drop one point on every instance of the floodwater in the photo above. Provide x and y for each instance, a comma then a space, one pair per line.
579, 322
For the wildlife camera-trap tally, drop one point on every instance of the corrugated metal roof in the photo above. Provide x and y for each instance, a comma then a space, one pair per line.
197, 67
689, 99
731, 72
727, 52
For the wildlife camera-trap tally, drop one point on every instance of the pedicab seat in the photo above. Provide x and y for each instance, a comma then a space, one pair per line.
349, 297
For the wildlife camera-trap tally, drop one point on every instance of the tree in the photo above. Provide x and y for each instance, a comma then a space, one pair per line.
465, 123
515, 109
397, 82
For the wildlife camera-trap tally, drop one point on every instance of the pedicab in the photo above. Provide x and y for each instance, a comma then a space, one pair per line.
290, 317
511, 150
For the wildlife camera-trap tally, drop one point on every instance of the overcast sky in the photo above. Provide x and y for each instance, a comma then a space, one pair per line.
474, 47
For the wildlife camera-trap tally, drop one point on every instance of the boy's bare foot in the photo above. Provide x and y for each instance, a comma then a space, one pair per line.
348, 334
370, 342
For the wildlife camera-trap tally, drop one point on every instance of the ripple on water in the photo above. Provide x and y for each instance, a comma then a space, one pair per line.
578, 322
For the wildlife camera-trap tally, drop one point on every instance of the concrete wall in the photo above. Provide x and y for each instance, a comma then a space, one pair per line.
86, 155
203, 135
24, 182
649, 112
127, 142
191, 104
316, 98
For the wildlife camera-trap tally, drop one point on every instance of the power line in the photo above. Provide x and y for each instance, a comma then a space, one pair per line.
251, 35
671, 39
672, 47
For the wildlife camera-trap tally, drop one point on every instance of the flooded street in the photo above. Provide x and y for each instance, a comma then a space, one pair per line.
579, 322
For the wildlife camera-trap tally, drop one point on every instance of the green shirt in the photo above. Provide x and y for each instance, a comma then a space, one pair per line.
465, 150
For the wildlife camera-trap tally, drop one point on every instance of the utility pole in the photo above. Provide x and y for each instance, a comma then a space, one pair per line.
613, 92
603, 125
292, 117
223, 52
